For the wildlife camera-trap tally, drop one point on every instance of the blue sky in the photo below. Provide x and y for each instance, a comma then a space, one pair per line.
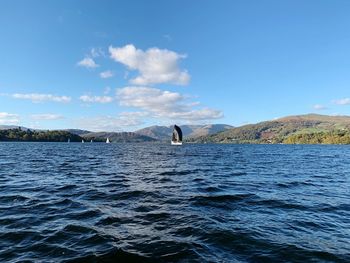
122, 65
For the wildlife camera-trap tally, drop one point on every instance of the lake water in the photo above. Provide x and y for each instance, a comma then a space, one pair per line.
99, 202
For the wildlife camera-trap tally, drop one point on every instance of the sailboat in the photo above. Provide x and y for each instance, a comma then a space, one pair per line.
82, 141
177, 136
107, 141
68, 140
91, 141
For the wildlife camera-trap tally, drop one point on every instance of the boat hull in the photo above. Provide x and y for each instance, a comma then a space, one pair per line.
176, 143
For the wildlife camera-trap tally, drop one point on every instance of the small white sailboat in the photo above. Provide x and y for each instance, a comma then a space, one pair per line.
91, 141
82, 141
68, 140
108, 141
177, 136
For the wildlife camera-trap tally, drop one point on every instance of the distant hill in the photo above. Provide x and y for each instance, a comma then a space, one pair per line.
209, 129
7, 127
156, 132
72, 131
28, 135
291, 129
164, 132
117, 137
148, 134
77, 131
309, 128
24, 134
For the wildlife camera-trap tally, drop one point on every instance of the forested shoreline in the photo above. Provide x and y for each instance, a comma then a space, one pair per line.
37, 136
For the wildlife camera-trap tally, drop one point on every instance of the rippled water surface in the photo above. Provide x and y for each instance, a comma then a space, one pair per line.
99, 202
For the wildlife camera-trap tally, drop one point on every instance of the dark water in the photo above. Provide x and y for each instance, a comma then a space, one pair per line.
196, 203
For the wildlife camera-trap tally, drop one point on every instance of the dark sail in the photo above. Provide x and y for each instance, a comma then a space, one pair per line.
177, 134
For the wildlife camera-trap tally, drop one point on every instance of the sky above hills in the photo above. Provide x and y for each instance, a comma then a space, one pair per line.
124, 65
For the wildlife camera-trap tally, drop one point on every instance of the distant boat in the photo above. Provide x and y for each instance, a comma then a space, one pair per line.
91, 141
107, 141
177, 136
82, 141
68, 140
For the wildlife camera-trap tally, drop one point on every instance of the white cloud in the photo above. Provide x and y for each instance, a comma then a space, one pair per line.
37, 97
344, 101
8, 118
121, 122
46, 117
87, 63
106, 74
154, 65
164, 104
97, 52
319, 107
148, 98
98, 99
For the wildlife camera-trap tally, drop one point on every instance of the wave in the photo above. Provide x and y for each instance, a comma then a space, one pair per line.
154, 203
116, 255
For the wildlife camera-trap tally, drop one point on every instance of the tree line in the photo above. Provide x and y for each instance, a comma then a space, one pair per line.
331, 137
37, 136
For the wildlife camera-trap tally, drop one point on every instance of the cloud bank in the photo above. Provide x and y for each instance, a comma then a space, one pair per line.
37, 97
96, 99
164, 104
8, 118
111, 123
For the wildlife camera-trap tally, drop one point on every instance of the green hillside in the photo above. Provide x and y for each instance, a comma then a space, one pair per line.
20, 134
117, 137
310, 128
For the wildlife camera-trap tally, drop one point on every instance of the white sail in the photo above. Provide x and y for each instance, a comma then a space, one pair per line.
82, 141
107, 141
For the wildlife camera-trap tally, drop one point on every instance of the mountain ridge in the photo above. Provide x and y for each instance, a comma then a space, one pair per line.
278, 130
120, 137
147, 134
307, 128
189, 131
